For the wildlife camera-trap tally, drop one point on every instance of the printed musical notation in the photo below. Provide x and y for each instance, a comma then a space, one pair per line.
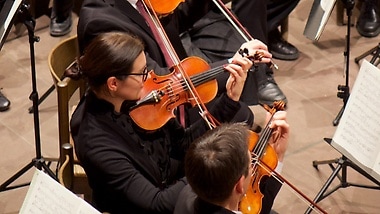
358, 133
45, 195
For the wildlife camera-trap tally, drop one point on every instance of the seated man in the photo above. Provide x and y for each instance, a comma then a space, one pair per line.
218, 169
208, 35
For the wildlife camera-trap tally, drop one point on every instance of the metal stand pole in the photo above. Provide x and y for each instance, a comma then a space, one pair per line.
38, 161
344, 90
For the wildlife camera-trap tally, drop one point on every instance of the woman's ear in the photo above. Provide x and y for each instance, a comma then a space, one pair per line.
112, 84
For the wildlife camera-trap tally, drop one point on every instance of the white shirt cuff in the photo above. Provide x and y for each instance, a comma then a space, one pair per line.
279, 167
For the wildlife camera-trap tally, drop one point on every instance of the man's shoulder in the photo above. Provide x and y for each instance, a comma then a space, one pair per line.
185, 201
189, 203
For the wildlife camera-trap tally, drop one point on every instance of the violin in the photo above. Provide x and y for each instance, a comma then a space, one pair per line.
260, 150
162, 94
164, 7
164, 90
264, 161
192, 81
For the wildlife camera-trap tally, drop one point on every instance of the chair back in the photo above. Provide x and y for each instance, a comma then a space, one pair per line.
62, 57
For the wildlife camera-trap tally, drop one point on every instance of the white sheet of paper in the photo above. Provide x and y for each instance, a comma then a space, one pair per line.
45, 195
358, 133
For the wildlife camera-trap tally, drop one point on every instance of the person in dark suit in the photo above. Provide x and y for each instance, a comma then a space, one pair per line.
131, 170
267, 30
219, 168
108, 15
208, 35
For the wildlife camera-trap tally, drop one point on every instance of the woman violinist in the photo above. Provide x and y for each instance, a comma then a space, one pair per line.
131, 170
99, 16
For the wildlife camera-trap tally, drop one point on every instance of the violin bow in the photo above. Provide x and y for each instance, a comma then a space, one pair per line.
237, 25
176, 62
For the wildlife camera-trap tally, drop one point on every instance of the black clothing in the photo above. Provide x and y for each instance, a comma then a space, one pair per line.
275, 11
189, 203
131, 170
62, 9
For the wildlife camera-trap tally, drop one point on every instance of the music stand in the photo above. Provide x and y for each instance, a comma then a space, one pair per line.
20, 8
375, 52
343, 162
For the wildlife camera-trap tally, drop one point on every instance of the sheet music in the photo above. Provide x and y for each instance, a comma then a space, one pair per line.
358, 133
45, 195
318, 17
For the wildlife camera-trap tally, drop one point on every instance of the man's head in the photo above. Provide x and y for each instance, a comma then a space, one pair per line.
218, 161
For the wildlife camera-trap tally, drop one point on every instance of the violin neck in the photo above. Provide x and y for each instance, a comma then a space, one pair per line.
263, 141
200, 78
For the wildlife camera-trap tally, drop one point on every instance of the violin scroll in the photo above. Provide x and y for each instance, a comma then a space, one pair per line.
258, 55
277, 106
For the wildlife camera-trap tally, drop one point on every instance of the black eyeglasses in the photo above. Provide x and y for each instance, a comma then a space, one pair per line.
144, 74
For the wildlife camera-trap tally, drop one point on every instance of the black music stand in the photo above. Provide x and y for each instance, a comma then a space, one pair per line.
39, 162
341, 164
375, 52
337, 165
344, 90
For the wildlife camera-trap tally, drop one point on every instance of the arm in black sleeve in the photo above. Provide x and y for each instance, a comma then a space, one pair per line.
271, 187
223, 110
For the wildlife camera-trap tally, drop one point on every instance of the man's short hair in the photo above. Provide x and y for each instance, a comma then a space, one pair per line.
216, 161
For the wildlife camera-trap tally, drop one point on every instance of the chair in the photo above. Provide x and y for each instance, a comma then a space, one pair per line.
70, 173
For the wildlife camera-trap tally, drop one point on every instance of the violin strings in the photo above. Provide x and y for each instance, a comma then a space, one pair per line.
197, 79
263, 140
193, 92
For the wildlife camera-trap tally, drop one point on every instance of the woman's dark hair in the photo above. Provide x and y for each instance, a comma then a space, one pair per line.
215, 162
109, 54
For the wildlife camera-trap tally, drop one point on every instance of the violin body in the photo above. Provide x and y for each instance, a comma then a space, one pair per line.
251, 202
172, 92
163, 7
